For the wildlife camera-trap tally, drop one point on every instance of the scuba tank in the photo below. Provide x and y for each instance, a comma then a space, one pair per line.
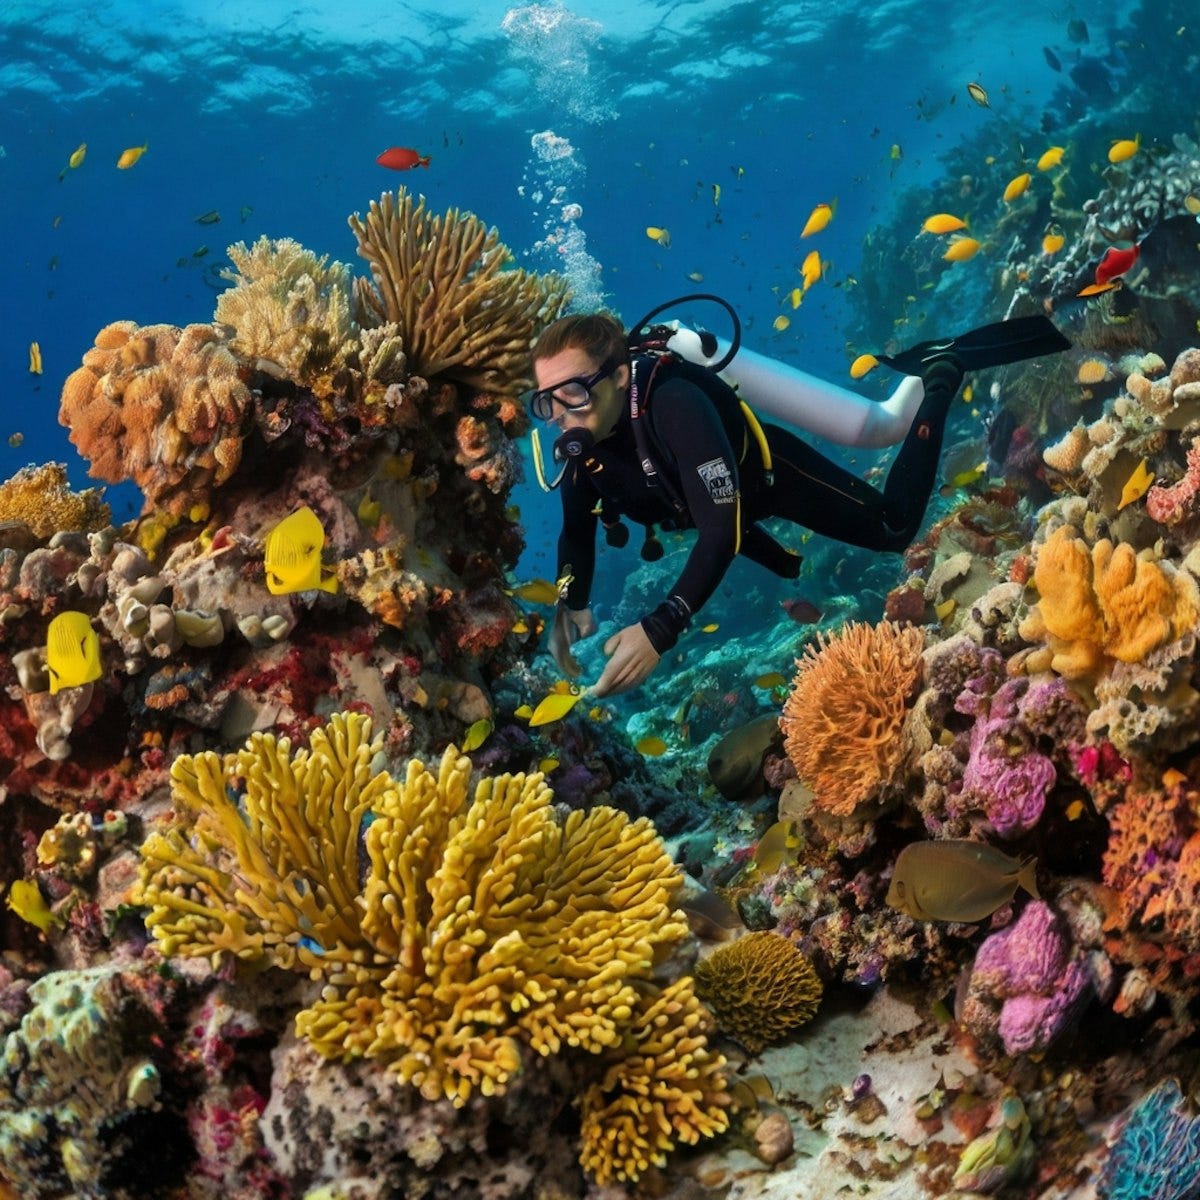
785, 392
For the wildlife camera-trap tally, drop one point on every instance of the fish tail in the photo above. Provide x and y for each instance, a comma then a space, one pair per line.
1027, 877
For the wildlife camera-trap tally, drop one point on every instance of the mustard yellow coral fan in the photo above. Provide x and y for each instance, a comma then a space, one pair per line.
761, 987
1105, 604
842, 721
484, 924
446, 283
40, 498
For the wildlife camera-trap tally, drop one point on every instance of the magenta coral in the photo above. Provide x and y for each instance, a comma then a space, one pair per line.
1040, 979
1170, 504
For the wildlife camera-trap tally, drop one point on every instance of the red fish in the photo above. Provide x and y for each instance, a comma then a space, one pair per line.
401, 158
1116, 262
802, 611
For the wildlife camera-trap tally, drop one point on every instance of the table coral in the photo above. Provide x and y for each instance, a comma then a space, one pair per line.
444, 282
843, 718
482, 927
1105, 604
39, 497
761, 988
163, 406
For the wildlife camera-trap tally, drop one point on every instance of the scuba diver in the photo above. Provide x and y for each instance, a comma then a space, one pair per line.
648, 429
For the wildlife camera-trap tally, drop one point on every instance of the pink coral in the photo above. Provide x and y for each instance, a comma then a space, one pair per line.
1169, 504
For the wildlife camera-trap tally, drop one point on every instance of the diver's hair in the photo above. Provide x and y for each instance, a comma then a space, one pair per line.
599, 335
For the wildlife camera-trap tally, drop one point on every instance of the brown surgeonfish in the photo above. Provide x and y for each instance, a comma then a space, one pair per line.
735, 764
957, 880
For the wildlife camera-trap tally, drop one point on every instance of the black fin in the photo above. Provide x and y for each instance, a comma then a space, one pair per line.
988, 346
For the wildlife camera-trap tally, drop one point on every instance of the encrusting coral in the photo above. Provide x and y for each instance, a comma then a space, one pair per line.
39, 496
843, 718
1104, 604
483, 926
761, 988
163, 406
444, 282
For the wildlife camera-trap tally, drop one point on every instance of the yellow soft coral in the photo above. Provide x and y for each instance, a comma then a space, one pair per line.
446, 284
761, 987
484, 924
40, 498
163, 406
1105, 605
843, 719
288, 306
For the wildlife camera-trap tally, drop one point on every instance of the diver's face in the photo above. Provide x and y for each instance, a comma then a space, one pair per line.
576, 403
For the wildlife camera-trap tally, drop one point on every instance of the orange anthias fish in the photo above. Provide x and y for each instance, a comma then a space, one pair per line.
401, 158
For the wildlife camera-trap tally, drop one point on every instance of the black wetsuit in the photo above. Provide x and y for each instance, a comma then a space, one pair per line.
704, 447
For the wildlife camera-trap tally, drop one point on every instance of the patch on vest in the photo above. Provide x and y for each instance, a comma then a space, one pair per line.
718, 479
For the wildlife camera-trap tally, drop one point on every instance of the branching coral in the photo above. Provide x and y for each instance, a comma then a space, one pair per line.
483, 925
1104, 604
286, 305
38, 496
445, 283
761, 988
842, 721
162, 406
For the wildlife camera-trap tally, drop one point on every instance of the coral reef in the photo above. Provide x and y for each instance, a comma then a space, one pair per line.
443, 282
761, 988
484, 927
843, 718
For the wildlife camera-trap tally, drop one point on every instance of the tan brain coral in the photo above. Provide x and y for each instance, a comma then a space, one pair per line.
843, 720
162, 406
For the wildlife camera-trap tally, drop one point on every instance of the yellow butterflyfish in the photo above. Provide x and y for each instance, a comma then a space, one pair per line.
1124, 149
650, 746
810, 270
35, 358
292, 555
862, 364
944, 609
1136, 485
1192, 203
795, 296
72, 651
780, 323
1016, 187
772, 679
78, 155
656, 234
1050, 158
26, 900
968, 394
477, 734
711, 627
897, 153
523, 713
520, 627
943, 223
962, 249
130, 155
716, 193
778, 847
818, 219
547, 765
369, 511
554, 707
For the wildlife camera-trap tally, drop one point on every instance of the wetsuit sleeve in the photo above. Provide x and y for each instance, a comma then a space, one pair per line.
577, 542
691, 435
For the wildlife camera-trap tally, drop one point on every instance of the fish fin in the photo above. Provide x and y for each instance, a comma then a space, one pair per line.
988, 346
1027, 877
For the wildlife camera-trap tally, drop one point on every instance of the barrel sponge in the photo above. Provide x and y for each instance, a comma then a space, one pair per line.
843, 719
1105, 604
761, 988
162, 406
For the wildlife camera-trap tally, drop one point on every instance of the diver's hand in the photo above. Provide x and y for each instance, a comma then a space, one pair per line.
570, 624
631, 658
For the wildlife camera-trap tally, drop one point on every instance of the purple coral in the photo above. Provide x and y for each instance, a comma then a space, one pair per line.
1040, 979
1004, 776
